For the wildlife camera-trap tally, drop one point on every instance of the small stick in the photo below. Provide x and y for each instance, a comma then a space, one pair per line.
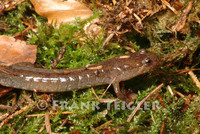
108, 87
106, 123
110, 37
60, 56
24, 122
4, 91
14, 99
187, 70
41, 129
183, 18
170, 7
94, 130
2, 117
194, 78
64, 122
5, 107
161, 100
102, 100
170, 90
142, 102
179, 93
95, 94
36, 115
162, 128
47, 122
26, 108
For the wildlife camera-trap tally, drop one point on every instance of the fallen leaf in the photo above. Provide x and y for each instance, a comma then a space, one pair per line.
61, 12
15, 51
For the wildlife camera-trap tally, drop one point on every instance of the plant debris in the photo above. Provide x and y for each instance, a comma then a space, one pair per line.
15, 51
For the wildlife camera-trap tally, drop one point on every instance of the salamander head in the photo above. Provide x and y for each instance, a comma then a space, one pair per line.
145, 61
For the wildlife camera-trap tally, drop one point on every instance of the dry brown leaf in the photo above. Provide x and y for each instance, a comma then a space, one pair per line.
61, 12
15, 51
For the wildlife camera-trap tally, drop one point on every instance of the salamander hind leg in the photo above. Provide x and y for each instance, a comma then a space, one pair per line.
119, 94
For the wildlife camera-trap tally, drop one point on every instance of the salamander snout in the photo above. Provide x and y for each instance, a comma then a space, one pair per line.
150, 61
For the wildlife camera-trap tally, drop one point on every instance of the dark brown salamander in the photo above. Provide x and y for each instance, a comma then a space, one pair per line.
113, 71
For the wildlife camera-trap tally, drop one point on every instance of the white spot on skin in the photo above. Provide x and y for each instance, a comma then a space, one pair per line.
88, 76
21, 75
126, 66
45, 79
102, 70
137, 64
117, 68
36, 79
28, 78
71, 79
54, 80
80, 77
63, 79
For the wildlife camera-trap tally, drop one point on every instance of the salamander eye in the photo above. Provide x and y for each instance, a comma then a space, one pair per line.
146, 61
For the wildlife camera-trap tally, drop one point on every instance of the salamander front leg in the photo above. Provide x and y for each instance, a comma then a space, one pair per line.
118, 92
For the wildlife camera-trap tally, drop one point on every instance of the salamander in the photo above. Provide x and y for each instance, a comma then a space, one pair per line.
115, 70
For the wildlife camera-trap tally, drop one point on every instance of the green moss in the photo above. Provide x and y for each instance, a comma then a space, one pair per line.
13, 19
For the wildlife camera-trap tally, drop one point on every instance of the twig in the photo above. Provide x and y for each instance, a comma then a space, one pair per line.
14, 99
60, 56
194, 78
162, 128
179, 93
108, 87
187, 70
169, 6
170, 90
94, 130
2, 117
36, 115
110, 37
5, 107
161, 100
95, 94
182, 21
102, 100
142, 102
4, 91
106, 123
25, 121
41, 129
26, 108
47, 123
64, 122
